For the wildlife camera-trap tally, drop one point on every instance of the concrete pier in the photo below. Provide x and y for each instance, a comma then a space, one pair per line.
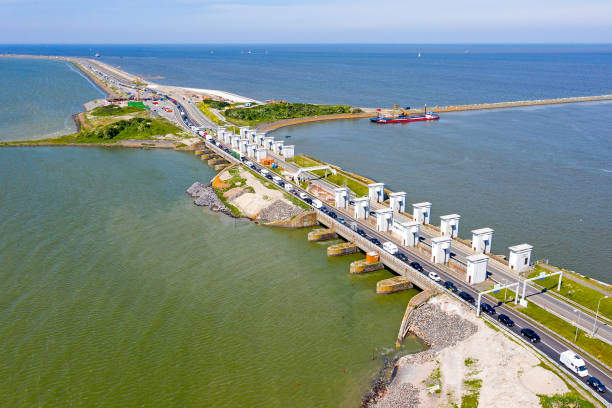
346, 248
392, 285
363, 266
217, 160
321, 234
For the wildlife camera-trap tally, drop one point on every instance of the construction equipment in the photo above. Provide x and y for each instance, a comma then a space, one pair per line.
140, 81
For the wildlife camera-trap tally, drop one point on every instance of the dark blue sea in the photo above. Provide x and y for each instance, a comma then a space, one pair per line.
541, 175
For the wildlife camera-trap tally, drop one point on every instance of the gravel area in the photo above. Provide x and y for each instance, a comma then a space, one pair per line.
277, 211
403, 395
196, 189
437, 328
206, 197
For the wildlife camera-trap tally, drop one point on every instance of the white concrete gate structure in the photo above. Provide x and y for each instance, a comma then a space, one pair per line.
408, 232
342, 197
449, 225
227, 137
482, 240
235, 141
243, 130
384, 219
376, 192
243, 146
397, 201
288, 151
421, 212
252, 150
362, 208
440, 250
268, 141
260, 138
476, 268
262, 153
519, 258
277, 146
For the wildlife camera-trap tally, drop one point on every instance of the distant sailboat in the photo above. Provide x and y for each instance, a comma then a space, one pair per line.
97, 55
419, 55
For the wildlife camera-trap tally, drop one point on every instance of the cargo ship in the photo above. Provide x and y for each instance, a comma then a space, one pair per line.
403, 117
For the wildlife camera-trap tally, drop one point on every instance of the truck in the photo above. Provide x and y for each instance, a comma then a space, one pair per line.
265, 172
574, 363
277, 179
390, 247
317, 203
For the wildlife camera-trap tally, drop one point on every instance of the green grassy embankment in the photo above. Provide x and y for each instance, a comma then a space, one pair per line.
204, 107
278, 111
597, 348
136, 128
115, 110
576, 292
340, 179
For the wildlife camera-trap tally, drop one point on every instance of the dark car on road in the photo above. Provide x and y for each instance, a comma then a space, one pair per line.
450, 286
333, 215
401, 256
416, 266
375, 241
324, 209
530, 334
487, 308
308, 200
467, 297
281, 183
361, 232
340, 219
595, 384
503, 319
269, 177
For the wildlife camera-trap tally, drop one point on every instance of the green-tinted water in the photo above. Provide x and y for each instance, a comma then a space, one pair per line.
118, 292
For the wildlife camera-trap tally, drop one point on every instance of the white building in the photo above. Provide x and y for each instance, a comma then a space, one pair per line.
242, 144
341, 195
440, 250
288, 151
277, 146
476, 268
251, 134
227, 137
376, 192
252, 150
421, 212
268, 141
260, 138
384, 219
262, 153
449, 225
243, 131
519, 258
235, 140
482, 240
408, 232
362, 207
397, 201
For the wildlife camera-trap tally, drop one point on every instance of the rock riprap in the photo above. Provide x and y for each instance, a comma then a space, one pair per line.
277, 211
206, 197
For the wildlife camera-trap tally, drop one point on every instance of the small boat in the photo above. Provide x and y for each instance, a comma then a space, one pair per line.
97, 55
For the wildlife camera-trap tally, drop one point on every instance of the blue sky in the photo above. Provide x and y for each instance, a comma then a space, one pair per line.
301, 21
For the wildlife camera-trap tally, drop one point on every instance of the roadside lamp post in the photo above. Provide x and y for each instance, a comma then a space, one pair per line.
597, 315
576, 335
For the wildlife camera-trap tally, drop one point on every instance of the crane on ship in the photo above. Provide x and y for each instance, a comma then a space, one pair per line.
140, 81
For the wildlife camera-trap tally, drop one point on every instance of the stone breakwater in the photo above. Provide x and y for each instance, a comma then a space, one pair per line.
205, 196
278, 211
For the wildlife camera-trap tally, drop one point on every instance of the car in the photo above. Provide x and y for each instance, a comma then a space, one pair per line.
340, 220
361, 232
487, 308
375, 241
416, 266
596, 384
434, 276
467, 297
503, 319
303, 196
281, 183
269, 177
401, 257
530, 334
308, 200
450, 286
333, 215
324, 209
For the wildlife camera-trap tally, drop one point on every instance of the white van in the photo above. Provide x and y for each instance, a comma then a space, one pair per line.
303, 195
265, 172
288, 188
317, 203
277, 179
390, 247
574, 362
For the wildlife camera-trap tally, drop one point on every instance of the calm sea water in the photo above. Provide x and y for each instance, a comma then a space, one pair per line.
541, 175
118, 291
366, 75
39, 97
